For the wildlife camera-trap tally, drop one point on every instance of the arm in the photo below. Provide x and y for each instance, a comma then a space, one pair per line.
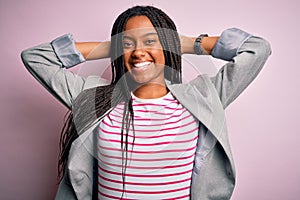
48, 62
246, 55
94, 50
207, 43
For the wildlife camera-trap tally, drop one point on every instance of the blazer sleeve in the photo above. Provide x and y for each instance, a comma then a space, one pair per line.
246, 55
48, 63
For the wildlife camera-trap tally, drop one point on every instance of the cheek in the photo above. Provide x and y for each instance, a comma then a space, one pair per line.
126, 60
163, 58
159, 57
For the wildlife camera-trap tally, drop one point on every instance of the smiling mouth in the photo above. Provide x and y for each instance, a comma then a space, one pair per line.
142, 64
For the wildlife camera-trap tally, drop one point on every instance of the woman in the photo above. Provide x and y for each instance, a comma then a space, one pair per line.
146, 135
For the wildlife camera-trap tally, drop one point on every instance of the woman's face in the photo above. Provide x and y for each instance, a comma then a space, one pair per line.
143, 53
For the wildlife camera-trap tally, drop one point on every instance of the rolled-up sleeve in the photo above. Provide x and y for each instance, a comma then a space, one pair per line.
64, 48
48, 62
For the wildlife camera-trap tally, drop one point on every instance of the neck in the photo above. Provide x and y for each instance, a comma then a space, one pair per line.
151, 91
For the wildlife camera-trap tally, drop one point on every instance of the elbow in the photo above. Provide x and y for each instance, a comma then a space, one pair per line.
266, 47
25, 56
28, 57
259, 47
263, 49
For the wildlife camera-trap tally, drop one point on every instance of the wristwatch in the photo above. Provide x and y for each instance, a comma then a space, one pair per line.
197, 45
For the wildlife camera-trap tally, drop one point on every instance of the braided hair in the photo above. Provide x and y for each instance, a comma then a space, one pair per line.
102, 96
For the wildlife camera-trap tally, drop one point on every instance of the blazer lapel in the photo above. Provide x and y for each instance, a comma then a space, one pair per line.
201, 98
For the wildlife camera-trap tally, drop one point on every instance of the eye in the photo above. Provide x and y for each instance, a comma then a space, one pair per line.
150, 41
128, 44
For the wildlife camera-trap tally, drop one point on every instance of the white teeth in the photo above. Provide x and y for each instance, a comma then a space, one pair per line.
142, 64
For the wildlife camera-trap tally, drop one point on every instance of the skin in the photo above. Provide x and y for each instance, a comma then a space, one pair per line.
141, 43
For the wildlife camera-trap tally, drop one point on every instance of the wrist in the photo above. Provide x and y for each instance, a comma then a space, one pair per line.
187, 44
198, 49
208, 43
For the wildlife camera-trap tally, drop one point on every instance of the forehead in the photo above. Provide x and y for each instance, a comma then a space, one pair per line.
138, 25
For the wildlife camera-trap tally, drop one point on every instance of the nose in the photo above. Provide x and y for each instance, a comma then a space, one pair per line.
139, 51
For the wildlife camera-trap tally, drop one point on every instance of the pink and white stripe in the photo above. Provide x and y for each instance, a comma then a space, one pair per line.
160, 160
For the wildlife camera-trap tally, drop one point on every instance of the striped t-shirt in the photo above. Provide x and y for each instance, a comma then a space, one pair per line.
160, 160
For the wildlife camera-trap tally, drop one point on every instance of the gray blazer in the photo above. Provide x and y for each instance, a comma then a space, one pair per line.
205, 97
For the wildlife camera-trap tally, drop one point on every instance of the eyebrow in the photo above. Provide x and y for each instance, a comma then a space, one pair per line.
152, 33
145, 35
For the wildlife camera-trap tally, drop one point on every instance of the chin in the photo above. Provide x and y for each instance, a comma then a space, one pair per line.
140, 81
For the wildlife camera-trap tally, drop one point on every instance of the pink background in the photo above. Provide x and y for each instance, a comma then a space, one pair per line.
262, 122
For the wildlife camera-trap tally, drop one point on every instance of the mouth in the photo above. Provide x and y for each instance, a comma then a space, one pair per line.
140, 66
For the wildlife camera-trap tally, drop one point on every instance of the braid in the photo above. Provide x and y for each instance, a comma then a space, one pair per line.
170, 41
121, 86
